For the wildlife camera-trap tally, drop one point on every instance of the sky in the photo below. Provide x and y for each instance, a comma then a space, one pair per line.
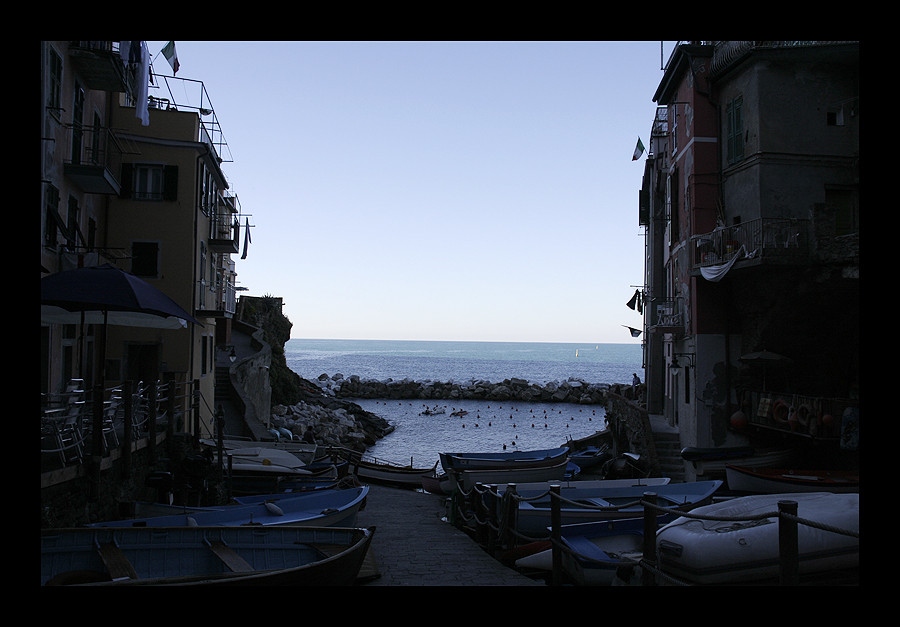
473, 191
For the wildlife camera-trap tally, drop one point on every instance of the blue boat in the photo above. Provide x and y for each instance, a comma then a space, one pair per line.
515, 459
319, 508
579, 505
592, 553
204, 556
591, 456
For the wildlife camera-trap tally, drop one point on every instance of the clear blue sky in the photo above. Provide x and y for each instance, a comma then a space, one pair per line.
437, 190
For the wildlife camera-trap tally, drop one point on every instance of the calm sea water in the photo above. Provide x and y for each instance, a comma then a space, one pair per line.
488, 426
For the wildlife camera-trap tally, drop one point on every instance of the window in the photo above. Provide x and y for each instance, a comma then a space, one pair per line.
147, 181
54, 90
145, 259
734, 130
51, 216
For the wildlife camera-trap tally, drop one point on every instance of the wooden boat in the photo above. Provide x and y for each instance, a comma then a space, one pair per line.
585, 485
320, 508
203, 556
606, 503
776, 480
593, 552
466, 479
591, 456
386, 473
304, 451
732, 551
435, 482
518, 459
711, 465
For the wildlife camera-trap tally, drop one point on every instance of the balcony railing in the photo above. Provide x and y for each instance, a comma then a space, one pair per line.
93, 157
764, 239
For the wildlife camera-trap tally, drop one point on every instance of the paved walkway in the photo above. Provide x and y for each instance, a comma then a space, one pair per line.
413, 546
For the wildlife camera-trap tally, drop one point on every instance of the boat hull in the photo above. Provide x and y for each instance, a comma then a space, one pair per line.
320, 508
467, 479
736, 551
203, 556
774, 481
519, 459
604, 504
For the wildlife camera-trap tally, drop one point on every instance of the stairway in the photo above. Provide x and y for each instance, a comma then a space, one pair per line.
668, 451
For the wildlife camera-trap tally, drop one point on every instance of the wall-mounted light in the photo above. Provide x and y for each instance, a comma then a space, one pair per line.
688, 357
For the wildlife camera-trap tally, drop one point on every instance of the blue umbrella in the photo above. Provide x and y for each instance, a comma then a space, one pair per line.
107, 295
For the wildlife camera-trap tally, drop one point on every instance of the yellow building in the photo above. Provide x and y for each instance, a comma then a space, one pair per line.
157, 205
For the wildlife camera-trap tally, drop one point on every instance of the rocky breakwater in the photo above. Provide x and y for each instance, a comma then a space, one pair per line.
330, 421
570, 391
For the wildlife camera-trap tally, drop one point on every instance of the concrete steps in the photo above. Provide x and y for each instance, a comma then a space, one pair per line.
668, 450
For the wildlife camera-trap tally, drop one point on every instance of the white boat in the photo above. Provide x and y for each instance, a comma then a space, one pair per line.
258, 459
304, 451
729, 551
709, 467
466, 479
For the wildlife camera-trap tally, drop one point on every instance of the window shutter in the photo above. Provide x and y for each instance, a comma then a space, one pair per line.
127, 180
170, 182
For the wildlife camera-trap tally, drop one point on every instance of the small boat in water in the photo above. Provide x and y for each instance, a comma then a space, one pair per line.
776, 480
203, 556
744, 545
319, 508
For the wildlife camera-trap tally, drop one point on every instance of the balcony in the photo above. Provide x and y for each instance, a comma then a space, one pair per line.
94, 154
225, 226
99, 65
764, 240
666, 316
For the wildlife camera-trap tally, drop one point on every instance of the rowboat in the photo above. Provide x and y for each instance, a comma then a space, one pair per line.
436, 482
593, 552
518, 459
710, 463
606, 503
304, 451
320, 508
747, 549
466, 479
574, 487
775, 480
203, 556
386, 473
591, 456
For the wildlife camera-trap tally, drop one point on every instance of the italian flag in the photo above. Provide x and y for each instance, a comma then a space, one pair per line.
638, 150
171, 56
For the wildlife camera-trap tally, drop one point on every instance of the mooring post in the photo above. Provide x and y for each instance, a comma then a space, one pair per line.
649, 555
788, 544
556, 533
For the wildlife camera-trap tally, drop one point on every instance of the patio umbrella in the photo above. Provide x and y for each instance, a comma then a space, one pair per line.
107, 295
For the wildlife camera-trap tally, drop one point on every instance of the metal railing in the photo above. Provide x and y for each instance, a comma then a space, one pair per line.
762, 238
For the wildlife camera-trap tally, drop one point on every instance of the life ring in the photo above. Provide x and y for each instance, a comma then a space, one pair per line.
804, 415
780, 412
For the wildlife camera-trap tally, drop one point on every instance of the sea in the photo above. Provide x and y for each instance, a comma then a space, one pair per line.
487, 426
